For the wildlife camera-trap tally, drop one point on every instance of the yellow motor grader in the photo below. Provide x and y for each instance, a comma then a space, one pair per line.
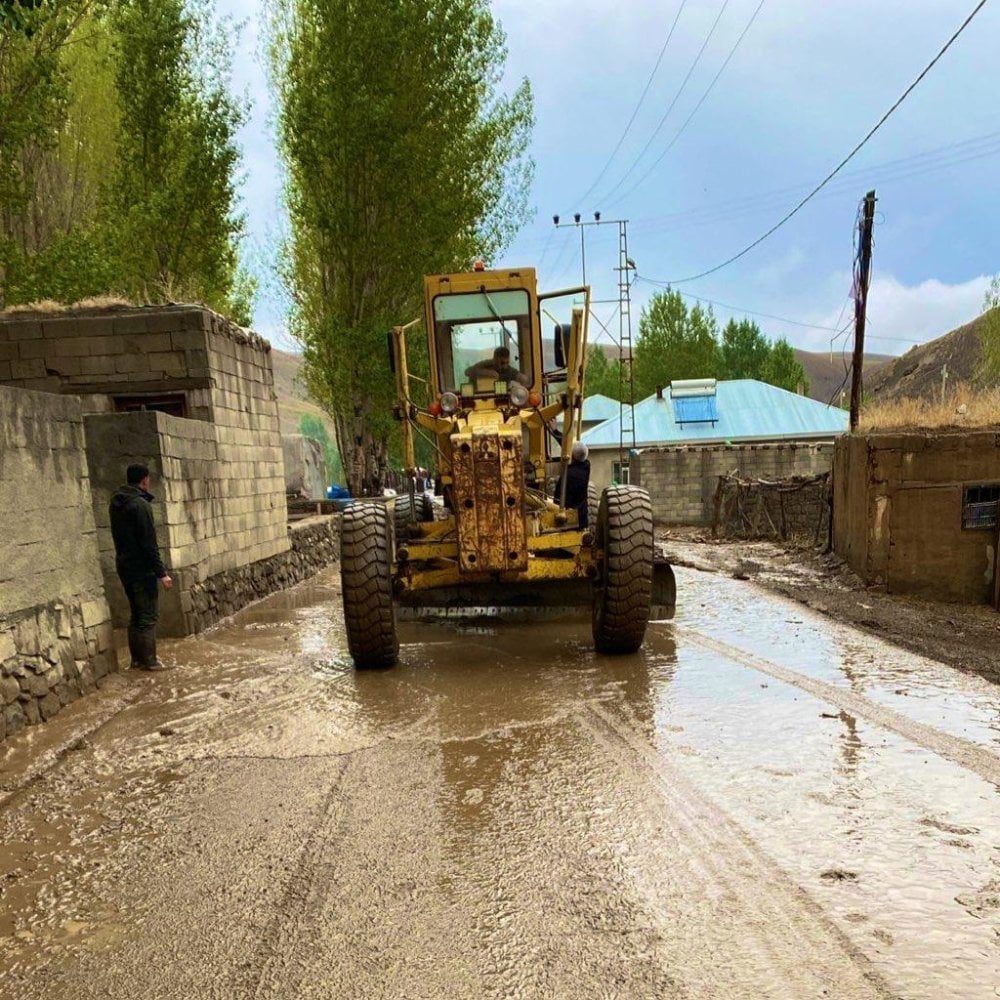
505, 537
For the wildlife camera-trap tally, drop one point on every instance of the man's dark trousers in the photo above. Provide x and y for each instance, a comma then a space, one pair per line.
143, 601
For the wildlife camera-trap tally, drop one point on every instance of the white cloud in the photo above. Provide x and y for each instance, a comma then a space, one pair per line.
900, 315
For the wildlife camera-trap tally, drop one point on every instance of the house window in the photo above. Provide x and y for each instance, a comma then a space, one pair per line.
173, 403
979, 506
619, 473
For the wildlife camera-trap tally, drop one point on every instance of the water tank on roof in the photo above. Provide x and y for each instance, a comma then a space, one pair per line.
683, 388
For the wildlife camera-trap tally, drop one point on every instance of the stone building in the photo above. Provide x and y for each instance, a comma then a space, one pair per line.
693, 431
192, 395
917, 513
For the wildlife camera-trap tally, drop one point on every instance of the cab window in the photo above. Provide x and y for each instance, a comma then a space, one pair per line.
473, 331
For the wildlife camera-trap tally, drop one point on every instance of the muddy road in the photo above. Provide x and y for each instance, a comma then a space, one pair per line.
760, 804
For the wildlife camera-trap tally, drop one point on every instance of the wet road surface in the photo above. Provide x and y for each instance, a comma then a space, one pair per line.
761, 803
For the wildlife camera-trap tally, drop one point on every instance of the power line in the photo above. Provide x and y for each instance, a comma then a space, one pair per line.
822, 184
697, 107
670, 107
896, 170
642, 97
754, 312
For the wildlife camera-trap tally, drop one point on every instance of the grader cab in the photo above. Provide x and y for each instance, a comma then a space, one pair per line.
502, 409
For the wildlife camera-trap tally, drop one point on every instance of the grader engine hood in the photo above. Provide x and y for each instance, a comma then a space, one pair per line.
488, 475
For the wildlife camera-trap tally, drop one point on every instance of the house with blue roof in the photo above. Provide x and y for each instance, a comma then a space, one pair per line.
709, 412
597, 409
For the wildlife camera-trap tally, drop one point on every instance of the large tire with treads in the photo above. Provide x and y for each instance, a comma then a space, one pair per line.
593, 504
409, 510
366, 575
624, 585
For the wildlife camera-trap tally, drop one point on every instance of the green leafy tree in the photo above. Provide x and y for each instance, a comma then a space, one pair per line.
603, 377
403, 158
674, 343
173, 196
127, 185
34, 96
783, 369
744, 350
314, 428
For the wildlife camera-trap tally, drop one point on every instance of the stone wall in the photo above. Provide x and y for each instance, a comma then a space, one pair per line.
305, 467
220, 501
56, 638
682, 481
313, 545
898, 512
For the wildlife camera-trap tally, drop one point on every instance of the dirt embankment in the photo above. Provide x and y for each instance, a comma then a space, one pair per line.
966, 637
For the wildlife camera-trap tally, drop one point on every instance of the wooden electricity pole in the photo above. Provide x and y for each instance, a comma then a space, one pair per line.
861, 303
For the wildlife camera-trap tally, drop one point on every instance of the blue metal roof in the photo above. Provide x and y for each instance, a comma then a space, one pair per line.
747, 411
598, 407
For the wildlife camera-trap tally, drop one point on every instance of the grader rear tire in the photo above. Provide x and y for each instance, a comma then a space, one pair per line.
366, 575
623, 590
408, 511
593, 504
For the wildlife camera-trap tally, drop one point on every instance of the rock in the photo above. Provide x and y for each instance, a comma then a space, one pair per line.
9, 689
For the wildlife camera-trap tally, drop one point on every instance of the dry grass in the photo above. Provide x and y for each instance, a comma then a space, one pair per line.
48, 307
963, 408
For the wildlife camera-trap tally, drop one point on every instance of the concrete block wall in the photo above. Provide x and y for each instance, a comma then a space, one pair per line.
682, 481
56, 637
96, 354
220, 507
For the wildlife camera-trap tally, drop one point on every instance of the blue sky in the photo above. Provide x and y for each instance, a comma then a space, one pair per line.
808, 81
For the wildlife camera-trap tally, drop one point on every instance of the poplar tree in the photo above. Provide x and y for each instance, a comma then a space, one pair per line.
403, 158
33, 101
744, 350
674, 343
783, 369
174, 212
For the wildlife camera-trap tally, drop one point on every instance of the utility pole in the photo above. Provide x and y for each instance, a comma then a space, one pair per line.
581, 225
626, 422
864, 269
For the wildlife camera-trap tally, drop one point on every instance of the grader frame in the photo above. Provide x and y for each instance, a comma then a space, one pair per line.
502, 540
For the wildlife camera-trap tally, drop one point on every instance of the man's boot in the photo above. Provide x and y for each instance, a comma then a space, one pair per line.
135, 645
147, 646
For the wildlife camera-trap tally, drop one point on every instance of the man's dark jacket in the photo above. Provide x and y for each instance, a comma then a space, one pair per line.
137, 554
577, 478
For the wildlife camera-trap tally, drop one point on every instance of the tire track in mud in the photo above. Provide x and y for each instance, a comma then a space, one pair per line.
746, 929
968, 755
302, 897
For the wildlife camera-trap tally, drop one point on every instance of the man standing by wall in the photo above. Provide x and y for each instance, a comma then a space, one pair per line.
137, 559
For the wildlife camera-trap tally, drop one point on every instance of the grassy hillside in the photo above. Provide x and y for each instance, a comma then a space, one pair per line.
292, 402
917, 374
826, 377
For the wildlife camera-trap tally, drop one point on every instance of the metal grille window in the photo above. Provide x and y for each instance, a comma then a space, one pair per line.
619, 473
979, 506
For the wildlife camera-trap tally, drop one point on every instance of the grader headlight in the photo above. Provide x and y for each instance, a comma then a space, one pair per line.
518, 394
449, 403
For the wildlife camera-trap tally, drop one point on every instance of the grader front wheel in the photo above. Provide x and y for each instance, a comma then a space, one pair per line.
623, 589
366, 575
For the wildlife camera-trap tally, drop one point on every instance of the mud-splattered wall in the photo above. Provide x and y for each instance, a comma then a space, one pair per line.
904, 512
56, 639
682, 481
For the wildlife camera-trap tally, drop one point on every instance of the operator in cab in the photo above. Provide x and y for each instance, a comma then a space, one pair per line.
497, 368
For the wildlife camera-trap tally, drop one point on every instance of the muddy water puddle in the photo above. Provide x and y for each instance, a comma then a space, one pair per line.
545, 819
